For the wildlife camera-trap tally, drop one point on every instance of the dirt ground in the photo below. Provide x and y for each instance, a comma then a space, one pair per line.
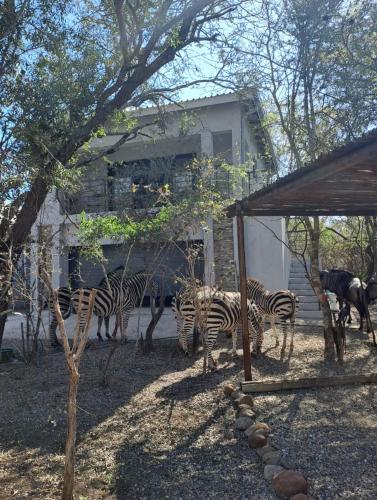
162, 429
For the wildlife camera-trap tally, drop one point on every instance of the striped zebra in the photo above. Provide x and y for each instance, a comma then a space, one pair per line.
279, 305
114, 279
213, 311
181, 307
134, 289
124, 295
64, 300
65, 303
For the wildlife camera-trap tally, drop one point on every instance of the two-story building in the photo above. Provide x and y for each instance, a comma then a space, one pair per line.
225, 126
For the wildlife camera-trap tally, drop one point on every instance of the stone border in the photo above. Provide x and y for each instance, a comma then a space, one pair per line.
286, 482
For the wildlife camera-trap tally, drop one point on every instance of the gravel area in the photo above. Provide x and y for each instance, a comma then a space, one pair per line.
162, 429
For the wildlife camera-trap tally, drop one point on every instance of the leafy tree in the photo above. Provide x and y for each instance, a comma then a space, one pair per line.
307, 58
67, 68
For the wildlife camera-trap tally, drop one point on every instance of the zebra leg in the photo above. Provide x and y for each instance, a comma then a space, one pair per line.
183, 334
120, 325
205, 352
123, 323
256, 336
211, 340
274, 332
284, 346
99, 326
293, 331
116, 327
107, 327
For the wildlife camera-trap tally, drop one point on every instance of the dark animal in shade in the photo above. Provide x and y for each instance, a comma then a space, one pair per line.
349, 288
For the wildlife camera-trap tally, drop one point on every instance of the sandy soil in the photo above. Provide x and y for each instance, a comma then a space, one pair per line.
162, 429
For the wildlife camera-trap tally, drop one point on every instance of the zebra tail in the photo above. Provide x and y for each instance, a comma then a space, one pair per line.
295, 307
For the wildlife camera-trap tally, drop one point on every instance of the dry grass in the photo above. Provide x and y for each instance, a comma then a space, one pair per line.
164, 430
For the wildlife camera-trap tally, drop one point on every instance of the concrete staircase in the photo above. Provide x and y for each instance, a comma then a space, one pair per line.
299, 284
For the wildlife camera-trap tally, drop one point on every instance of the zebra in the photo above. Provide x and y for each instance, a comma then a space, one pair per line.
114, 279
217, 311
120, 299
134, 289
64, 299
280, 304
181, 303
65, 303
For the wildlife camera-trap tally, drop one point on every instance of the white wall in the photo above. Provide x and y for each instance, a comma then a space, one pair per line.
267, 259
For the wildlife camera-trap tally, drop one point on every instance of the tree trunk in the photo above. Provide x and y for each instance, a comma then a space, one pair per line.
70, 448
3, 319
156, 315
328, 330
371, 250
4, 307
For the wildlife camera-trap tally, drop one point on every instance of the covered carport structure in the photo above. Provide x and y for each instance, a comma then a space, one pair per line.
343, 182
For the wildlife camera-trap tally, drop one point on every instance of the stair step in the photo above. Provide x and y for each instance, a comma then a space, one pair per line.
303, 291
297, 265
310, 315
307, 299
309, 306
298, 279
300, 286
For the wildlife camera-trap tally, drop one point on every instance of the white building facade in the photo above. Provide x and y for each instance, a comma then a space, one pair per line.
224, 126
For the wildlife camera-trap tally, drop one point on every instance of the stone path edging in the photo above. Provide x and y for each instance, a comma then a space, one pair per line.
286, 482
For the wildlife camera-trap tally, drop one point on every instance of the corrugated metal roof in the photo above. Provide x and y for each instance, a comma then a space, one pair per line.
342, 182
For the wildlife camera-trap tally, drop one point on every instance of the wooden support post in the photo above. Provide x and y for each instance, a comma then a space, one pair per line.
243, 291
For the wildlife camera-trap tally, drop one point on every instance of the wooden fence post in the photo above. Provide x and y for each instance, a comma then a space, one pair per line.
243, 291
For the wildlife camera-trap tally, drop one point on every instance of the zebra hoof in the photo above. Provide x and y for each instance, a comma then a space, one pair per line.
56, 345
100, 339
235, 355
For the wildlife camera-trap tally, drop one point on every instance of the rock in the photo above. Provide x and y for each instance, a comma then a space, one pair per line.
270, 471
300, 496
289, 482
247, 413
243, 423
257, 440
245, 399
265, 449
228, 389
259, 426
272, 458
242, 407
236, 394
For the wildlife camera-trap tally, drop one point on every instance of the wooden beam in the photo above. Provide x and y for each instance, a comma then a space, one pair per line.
308, 383
259, 212
243, 292
303, 179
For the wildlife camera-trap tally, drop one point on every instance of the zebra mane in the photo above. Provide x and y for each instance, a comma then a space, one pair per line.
256, 283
